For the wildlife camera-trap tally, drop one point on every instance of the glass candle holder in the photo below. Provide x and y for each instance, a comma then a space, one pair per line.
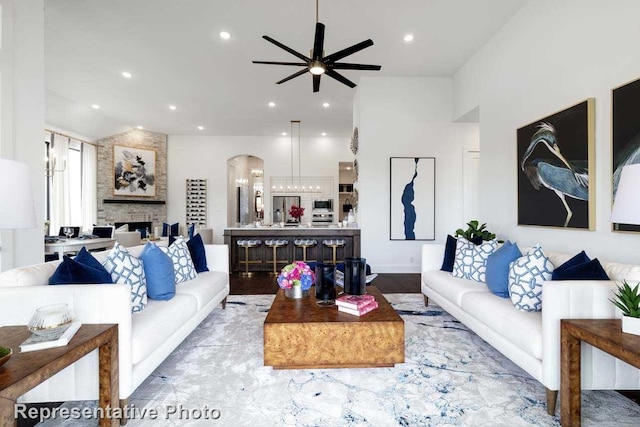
325, 284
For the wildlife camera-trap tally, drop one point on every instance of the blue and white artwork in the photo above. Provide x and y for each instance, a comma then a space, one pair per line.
413, 193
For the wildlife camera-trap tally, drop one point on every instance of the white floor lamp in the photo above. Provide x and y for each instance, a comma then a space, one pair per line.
17, 209
626, 206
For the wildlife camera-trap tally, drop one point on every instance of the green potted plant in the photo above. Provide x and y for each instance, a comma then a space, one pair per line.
628, 300
475, 231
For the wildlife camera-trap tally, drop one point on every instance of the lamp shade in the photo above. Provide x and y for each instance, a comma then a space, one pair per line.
626, 206
17, 209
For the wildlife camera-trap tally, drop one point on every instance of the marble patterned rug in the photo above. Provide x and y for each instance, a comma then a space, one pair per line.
450, 377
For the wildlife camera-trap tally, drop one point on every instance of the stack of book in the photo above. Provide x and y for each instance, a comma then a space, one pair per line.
356, 305
59, 339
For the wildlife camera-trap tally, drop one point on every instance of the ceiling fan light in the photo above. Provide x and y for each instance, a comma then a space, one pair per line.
317, 68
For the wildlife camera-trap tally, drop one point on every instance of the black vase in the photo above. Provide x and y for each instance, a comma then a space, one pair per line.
325, 284
355, 276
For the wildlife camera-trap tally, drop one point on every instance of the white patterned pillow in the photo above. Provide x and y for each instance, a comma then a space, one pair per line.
471, 259
127, 269
183, 267
526, 275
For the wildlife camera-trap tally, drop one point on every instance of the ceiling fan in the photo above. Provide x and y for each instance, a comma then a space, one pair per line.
318, 64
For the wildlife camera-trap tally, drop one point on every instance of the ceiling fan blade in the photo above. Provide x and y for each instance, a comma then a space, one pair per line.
316, 82
299, 64
339, 77
287, 48
318, 43
348, 51
346, 66
293, 76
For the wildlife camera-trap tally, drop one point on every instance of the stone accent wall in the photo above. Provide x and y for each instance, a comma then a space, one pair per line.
109, 213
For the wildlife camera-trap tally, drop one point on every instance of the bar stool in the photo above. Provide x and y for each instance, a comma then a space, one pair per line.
304, 244
275, 244
334, 245
248, 244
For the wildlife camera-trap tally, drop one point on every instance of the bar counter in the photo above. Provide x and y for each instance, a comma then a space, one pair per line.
261, 256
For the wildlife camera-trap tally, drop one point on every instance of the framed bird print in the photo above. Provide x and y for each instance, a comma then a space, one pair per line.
625, 135
134, 171
556, 164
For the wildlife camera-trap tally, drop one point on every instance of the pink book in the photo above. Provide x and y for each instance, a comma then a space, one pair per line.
372, 305
354, 301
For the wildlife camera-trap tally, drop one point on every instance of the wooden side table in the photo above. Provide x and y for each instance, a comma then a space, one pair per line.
24, 371
604, 334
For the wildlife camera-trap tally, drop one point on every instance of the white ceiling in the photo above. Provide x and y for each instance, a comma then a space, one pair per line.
176, 56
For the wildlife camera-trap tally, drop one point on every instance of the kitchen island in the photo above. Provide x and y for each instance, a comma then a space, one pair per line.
263, 255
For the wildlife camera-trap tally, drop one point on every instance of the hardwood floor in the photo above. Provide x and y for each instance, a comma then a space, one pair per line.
265, 283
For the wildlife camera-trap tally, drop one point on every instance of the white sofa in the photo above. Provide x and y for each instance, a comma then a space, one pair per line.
532, 339
145, 338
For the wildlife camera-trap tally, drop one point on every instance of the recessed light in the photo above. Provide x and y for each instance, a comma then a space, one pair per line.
284, 134
272, 104
95, 106
139, 127
324, 134
225, 35
200, 127
127, 75
172, 107
326, 105
408, 38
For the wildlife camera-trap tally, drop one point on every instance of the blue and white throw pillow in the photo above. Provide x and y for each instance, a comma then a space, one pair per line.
471, 259
526, 275
183, 266
127, 269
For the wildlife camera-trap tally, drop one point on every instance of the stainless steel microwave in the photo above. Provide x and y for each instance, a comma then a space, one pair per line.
323, 205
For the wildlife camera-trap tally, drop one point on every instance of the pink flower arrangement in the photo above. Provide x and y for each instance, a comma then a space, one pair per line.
296, 274
296, 211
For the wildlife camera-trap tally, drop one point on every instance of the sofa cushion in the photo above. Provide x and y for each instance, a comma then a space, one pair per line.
471, 260
31, 275
524, 329
157, 322
526, 275
71, 272
452, 288
449, 254
498, 268
197, 252
205, 287
158, 269
127, 269
183, 267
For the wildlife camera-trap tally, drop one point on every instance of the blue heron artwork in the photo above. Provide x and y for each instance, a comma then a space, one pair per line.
625, 135
412, 215
554, 160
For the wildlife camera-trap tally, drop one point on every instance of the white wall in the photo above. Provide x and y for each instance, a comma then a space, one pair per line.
23, 117
206, 157
551, 55
406, 117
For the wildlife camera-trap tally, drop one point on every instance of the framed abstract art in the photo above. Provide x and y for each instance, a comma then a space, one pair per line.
412, 202
556, 163
134, 171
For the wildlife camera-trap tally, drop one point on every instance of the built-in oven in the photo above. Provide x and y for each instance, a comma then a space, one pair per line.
322, 218
323, 205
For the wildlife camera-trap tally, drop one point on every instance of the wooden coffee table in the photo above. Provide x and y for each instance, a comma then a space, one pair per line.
26, 370
298, 334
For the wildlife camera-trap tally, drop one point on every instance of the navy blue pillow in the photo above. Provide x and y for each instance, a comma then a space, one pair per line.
170, 229
591, 270
191, 230
72, 272
85, 258
172, 239
158, 271
198, 256
497, 273
577, 259
449, 254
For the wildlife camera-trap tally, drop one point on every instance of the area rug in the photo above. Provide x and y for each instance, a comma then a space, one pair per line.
450, 377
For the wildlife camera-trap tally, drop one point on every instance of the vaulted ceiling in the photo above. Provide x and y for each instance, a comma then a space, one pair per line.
176, 57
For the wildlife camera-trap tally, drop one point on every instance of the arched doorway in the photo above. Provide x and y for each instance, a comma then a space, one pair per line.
245, 190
